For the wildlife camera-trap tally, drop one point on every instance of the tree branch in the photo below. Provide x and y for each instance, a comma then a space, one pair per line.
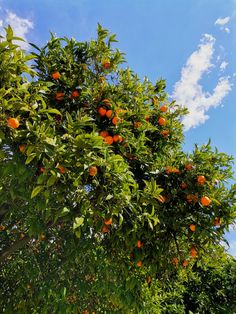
14, 247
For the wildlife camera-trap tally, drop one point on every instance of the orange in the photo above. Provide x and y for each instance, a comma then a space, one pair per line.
13, 123
59, 96
161, 121
104, 134
56, 75
168, 169
175, 261
137, 124
188, 166
183, 185
192, 227
163, 108
205, 201
109, 114
42, 237
117, 138
102, 112
147, 118
108, 222
193, 251
22, 147
93, 171
108, 140
165, 133
61, 169
74, 94
139, 244
175, 170
191, 198
106, 64
105, 229
42, 169
217, 222
139, 263
162, 199
2, 227
86, 312
201, 180
185, 263
115, 120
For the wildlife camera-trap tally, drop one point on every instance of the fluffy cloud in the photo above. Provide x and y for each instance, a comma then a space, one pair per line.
222, 21
189, 92
21, 26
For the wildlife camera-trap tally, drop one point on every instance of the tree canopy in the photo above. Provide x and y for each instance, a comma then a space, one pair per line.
99, 205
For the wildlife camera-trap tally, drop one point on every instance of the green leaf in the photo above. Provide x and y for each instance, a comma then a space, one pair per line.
51, 181
30, 158
78, 222
36, 191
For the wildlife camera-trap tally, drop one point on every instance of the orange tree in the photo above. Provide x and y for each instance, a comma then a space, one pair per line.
97, 196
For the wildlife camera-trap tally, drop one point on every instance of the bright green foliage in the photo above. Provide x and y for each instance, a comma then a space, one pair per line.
74, 205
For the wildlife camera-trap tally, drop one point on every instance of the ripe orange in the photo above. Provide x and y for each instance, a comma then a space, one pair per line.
201, 180
168, 169
193, 251
59, 96
161, 121
56, 75
22, 148
115, 120
188, 166
175, 170
185, 263
104, 134
102, 112
106, 64
205, 201
191, 198
175, 261
163, 108
108, 222
74, 94
139, 244
109, 114
105, 229
117, 138
192, 227
13, 123
61, 169
183, 185
42, 169
217, 222
108, 140
86, 312
139, 263
137, 124
93, 171
165, 133
162, 199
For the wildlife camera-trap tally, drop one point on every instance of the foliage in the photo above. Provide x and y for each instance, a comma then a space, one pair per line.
97, 194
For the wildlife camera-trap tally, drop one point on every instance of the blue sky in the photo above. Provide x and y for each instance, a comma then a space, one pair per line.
192, 44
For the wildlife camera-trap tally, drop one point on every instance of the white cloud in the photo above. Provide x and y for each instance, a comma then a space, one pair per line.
222, 21
227, 30
189, 92
20, 26
223, 65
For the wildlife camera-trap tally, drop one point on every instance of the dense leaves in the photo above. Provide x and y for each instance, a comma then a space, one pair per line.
98, 200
